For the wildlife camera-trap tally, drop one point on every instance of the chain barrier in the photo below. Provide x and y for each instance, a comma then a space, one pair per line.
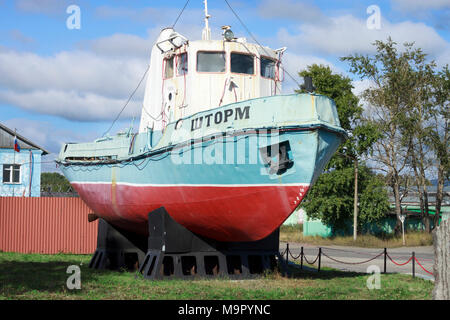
399, 264
343, 262
422, 266
301, 255
311, 263
295, 258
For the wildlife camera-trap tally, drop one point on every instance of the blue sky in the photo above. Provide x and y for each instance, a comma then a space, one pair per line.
60, 85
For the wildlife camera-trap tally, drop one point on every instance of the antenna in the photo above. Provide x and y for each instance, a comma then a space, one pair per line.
206, 34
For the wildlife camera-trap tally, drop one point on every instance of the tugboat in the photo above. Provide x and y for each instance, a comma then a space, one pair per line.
219, 147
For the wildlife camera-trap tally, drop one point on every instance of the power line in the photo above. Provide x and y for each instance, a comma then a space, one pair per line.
142, 79
185, 5
254, 39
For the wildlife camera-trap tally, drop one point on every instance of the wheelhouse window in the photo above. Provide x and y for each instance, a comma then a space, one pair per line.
268, 68
168, 68
211, 61
11, 173
182, 64
242, 63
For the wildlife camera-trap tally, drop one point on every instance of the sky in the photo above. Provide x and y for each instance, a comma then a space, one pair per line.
63, 84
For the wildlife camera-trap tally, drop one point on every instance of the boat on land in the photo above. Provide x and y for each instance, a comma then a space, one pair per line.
228, 156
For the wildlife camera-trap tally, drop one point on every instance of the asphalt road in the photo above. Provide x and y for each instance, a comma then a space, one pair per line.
354, 258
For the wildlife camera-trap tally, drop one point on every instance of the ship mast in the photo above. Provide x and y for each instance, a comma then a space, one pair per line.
206, 34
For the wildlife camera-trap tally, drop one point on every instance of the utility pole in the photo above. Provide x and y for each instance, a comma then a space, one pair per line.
355, 204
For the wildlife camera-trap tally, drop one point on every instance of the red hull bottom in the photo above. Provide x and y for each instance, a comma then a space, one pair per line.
223, 213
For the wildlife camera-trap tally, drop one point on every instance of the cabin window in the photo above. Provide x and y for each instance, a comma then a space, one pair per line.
168, 71
267, 68
11, 173
211, 61
182, 64
242, 63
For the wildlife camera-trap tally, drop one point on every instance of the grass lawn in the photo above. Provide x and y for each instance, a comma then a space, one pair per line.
34, 276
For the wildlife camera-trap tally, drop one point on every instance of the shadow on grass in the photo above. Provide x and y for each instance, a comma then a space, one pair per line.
18, 277
23, 278
312, 274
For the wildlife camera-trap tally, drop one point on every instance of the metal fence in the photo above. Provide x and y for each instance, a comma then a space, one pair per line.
321, 253
46, 225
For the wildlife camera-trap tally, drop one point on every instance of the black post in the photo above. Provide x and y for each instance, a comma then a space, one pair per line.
385, 256
320, 256
413, 264
301, 259
287, 255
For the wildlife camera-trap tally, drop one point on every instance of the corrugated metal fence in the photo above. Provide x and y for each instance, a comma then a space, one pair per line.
46, 225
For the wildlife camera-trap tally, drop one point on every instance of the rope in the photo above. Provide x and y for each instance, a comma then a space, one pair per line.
131, 96
422, 266
399, 264
179, 15
353, 263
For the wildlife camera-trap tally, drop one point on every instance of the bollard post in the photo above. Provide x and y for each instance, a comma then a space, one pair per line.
385, 256
320, 255
301, 259
287, 254
413, 264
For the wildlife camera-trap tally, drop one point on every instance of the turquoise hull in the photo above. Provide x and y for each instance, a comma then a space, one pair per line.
234, 173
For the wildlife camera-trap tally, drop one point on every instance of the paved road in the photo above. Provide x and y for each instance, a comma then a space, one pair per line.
425, 256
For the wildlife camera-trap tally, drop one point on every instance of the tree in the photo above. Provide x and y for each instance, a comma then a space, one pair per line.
399, 81
408, 106
415, 124
438, 139
55, 182
331, 197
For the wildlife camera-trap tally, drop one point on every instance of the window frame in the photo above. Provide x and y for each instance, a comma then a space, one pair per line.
268, 58
165, 67
212, 72
11, 180
247, 54
176, 64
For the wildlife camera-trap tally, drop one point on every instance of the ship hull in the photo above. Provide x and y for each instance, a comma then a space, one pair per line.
239, 185
224, 213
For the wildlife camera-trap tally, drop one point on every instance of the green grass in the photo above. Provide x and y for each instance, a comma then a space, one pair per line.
412, 239
34, 276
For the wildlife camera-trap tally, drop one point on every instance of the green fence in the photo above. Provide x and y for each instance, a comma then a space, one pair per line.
315, 227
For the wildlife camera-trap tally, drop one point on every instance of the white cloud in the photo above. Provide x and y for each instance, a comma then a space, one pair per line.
77, 85
294, 63
49, 137
71, 105
360, 85
347, 35
76, 70
91, 83
122, 45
